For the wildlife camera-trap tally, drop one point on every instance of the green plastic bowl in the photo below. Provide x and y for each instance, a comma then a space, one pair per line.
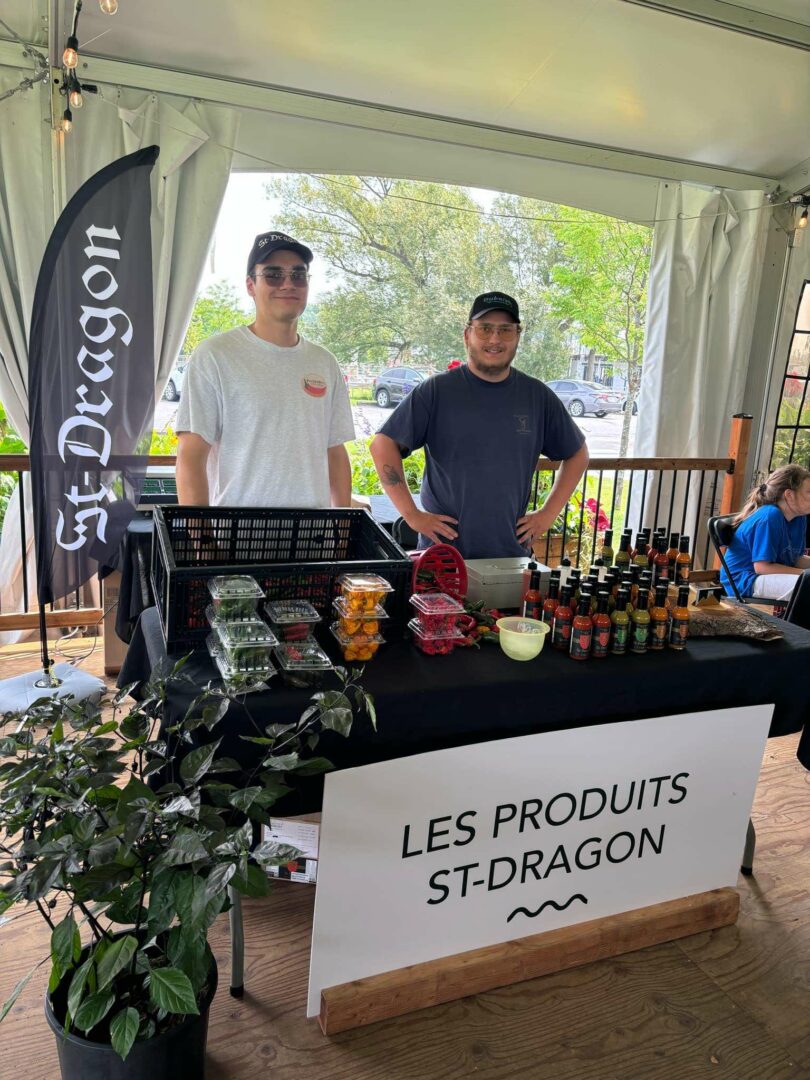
521, 638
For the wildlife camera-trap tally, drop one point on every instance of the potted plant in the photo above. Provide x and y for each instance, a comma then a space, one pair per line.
128, 874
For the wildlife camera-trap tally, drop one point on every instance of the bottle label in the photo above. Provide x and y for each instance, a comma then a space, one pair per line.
678, 633
683, 573
658, 633
533, 609
561, 633
638, 640
548, 614
581, 643
601, 642
619, 646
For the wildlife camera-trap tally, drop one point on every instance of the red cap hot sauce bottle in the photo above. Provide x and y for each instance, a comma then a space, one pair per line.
600, 645
563, 617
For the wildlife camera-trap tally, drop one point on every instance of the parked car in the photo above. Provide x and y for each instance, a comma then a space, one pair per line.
635, 407
174, 387
581, 397
394, 384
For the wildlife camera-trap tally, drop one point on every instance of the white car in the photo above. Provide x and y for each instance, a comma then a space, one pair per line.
174, 387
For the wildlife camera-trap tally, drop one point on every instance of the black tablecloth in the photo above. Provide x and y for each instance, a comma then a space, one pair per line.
431, 702
133, 560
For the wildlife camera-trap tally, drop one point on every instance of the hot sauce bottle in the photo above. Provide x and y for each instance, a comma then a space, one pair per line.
531, 566
563, 617
628, 585
640, 557
679, 630
607, 553
601, 627
659, 620
640, 625
565, 570
620, 625
551, 601
533, 601
661, 561
672, 553
623, 554
683, 563
645, 585
582, 629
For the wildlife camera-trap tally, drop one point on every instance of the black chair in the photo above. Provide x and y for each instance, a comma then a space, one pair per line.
721, 533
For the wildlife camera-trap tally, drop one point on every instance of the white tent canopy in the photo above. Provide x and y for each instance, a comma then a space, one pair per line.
608, 105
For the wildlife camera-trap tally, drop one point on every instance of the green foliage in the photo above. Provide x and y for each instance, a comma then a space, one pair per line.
217, 309
10, 443
142, 871
164, 442
365, 480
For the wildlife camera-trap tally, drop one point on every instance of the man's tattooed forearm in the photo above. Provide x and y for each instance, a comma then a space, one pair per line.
391, 477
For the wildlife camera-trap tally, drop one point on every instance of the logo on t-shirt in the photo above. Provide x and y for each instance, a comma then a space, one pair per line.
522, 425
314, 385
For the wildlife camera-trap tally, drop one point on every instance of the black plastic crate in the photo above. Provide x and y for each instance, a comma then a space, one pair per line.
291, 553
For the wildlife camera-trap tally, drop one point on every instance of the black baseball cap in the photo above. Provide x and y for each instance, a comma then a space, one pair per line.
266, 243
494, 301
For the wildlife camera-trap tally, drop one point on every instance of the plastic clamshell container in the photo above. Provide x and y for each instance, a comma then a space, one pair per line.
248, 632
302, 663
359, 646
436, 611
245, 659
234, 596
434, 642
232, 675
363, 592
357, 622
521, 638
292, 620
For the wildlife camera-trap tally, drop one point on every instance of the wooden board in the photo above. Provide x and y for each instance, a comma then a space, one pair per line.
419, 986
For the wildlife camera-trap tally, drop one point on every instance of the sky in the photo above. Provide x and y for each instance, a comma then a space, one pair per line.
246, 212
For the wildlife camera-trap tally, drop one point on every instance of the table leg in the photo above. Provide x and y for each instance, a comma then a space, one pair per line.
237, 987
748, 855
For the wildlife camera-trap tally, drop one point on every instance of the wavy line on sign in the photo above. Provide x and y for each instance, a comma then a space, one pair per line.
548, 903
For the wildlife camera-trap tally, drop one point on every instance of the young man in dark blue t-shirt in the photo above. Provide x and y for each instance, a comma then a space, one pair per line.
483, 427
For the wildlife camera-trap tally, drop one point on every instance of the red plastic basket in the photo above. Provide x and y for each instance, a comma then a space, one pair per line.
439, 568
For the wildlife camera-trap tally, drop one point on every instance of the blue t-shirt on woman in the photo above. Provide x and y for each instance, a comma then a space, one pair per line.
765, 536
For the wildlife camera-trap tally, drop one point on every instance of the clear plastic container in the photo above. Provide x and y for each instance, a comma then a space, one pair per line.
358, 622
292, 620
249, 632
234, 597
247, 659
434, 642
360, 646
252, 680
363, 592
436, 612
302, 663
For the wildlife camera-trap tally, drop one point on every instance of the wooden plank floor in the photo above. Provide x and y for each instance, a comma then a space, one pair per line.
732, 1003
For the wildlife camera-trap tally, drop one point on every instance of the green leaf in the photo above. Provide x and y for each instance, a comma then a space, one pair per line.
313, 766
370, 708
187, 951
94, 1009
161, 903
218, 879
8, 746
116, 958
254, 883
243, 799
181, 804
190, 897
18, 989
104, 851
225, 764
62, 940
196, 764
186, 847
337, 719
111, 725
77, 986
171, 990
281, 762
123, 1030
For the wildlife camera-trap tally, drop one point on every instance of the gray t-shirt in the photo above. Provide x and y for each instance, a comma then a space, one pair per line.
482, 441
270, 414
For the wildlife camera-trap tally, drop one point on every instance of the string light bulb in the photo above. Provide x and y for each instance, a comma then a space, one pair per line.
70, 57
109, 7
803, 219
75, 98
67, 121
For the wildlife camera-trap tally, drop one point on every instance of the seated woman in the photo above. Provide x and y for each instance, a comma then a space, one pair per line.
766, 555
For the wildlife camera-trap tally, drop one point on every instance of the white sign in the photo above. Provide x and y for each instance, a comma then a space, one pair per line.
436, 854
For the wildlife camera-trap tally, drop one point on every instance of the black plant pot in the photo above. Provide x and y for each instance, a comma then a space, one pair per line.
178, 1052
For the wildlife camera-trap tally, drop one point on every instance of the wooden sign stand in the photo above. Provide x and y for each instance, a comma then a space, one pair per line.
381, 997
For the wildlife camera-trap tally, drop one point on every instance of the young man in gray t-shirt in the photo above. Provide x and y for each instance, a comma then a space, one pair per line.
265, 413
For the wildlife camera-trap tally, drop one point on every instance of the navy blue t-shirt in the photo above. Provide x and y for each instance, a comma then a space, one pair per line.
482, 441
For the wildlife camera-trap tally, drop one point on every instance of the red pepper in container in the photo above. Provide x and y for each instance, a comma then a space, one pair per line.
437, 612
434, 642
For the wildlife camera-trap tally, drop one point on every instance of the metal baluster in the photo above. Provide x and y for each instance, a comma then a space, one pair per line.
23, 540
698, 514
581, 513
658, 500
596, 515
672, 501
629, 499
686, 500
613, 500
708, 539
643, 500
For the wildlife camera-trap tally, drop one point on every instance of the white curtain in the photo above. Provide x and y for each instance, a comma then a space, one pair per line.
704, 280
189, 182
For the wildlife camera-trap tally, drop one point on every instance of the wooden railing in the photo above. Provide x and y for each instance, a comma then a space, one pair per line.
679, 493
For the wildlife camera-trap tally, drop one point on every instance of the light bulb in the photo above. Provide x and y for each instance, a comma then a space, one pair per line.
109, 7
76, 99
803, 219
70, 57
67, 121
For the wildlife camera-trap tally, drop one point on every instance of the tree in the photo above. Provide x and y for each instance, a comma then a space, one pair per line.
600, 291
217, 309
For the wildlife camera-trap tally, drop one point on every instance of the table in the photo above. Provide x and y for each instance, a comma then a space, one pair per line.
433, 702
